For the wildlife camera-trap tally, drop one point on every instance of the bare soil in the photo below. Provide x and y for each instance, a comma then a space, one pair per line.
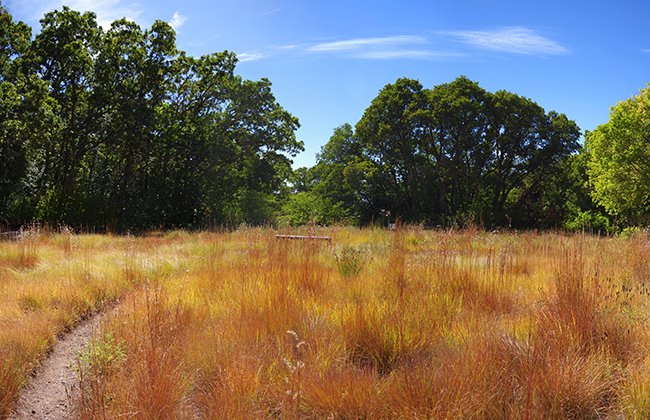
53, 392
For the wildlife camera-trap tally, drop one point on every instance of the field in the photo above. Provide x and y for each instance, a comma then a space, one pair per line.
377, 324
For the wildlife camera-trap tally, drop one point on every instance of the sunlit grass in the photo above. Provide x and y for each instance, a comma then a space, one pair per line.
49, 282
426, 324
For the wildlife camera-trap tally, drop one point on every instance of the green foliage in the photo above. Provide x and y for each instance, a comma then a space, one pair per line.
328, 179
450, 155
14, 40
630, 232
103, 354
350, 261
304, 208
589, 221
252, 208
119, 129
619, 160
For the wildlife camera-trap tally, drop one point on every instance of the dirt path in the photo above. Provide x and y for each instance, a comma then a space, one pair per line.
54, 392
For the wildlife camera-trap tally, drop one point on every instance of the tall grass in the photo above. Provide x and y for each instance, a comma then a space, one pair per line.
48, 282
425, 324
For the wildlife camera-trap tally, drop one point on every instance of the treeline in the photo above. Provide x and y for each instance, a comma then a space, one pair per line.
120, 130
457, 155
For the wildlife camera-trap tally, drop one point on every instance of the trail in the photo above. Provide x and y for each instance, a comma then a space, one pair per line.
53, 393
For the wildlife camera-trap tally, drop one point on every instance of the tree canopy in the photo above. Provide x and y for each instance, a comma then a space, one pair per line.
447, 156
619, 160
119, 129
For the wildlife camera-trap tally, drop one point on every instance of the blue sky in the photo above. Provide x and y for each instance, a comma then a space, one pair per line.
328, 59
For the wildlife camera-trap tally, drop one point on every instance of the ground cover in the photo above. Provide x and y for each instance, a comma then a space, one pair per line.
375, 324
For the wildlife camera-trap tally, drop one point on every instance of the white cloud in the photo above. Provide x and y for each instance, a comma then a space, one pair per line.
244, 57
405, 54
270, 12
287, 47
395, 47
357, 49
360, 43
107, 11
177, 21
514, 40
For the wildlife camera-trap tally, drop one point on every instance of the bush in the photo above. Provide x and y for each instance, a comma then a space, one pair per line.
632, 231
252, 208
306, 208
350, 261
589, 221
104, 353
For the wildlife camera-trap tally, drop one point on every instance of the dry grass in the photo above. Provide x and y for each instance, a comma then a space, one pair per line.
418, 323
49, 282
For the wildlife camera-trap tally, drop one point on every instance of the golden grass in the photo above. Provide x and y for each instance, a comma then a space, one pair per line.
429, 324
49, 282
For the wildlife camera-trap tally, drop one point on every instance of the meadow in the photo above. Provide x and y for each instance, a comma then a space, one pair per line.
376, 324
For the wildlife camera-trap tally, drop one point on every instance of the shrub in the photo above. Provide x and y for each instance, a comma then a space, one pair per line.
589, 221
304, 208
103, 353
350, 261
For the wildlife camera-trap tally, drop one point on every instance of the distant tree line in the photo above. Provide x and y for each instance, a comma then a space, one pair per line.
118, 129
457, 155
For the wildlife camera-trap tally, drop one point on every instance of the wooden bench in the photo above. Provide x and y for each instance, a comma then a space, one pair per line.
303, 237
9, 236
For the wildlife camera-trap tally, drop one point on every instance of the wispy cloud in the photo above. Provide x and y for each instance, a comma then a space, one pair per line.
397, 47
363, 43
377, 48
514, 40
271, 12
406, 54
646, 50
107, 11
177, 20
245, 57
268, 52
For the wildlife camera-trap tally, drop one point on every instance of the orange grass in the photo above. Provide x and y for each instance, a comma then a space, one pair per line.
431, 324
49, 282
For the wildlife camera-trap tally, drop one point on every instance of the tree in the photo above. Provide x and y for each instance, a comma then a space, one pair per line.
304, 207
262, 140
328, 175
190, 140
582, 213
14, 41
458, 149
393, 141
528, 148
62, 55
131, 76
619, 160
457, 153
